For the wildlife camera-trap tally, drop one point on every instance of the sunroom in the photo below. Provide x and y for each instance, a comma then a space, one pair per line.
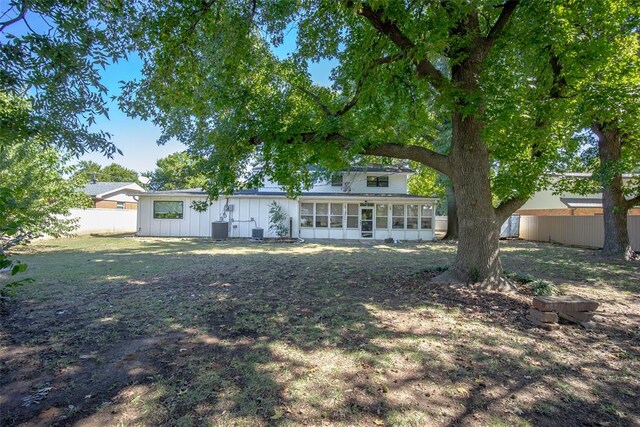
374, 218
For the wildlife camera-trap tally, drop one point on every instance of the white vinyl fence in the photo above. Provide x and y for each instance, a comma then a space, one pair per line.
573, 230
105, 220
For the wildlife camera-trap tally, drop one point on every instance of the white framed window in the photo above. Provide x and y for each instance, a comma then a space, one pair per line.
426, 217
397, 217
306, 215
167, 209
336, 180
352, 215
335, 221
382, 217
322, 215
119, 205
412, 217
377, 181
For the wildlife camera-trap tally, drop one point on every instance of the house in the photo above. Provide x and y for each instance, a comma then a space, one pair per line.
546, 203
360, 203
113, 195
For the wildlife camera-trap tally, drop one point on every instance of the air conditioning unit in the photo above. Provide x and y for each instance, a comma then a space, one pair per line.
257, 233
219, 230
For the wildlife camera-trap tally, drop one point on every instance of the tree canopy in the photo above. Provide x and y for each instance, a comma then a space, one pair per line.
176, 171
88, 170
35, 196
51, 55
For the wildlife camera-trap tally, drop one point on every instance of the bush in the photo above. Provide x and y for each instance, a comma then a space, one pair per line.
542, 288
278, 220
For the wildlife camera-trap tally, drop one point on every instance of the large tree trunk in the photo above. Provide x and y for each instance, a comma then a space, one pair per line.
614, 204
452, 214
478, 256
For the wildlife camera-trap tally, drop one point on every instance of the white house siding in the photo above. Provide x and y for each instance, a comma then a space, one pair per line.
246, 208
356, 183
545, 199
198, 224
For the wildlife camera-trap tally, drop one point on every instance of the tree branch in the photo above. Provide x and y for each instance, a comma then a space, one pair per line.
21, 15
381, 61
317, 100
633, 201
424, 67
507, 207
354, 100
498, 27
427, 157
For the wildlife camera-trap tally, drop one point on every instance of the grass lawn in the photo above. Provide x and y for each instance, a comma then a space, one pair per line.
124, 331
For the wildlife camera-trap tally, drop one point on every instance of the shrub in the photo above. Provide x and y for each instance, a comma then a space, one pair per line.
278, 220
542, 288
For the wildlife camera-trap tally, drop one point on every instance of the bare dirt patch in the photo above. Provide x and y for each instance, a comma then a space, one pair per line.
188, 332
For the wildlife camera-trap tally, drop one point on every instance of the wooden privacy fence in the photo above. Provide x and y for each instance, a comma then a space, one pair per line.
573, 230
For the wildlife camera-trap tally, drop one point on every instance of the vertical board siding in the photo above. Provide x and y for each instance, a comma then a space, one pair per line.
198, 224
574, 230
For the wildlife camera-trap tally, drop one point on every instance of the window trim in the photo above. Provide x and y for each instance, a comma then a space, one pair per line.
381, 181
168, 201
356, 216
385, 216
431, 217
334, 180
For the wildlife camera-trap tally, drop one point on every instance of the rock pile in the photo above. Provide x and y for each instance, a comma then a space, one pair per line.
547, 310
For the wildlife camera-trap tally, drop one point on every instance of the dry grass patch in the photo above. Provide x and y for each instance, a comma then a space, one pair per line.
122, 331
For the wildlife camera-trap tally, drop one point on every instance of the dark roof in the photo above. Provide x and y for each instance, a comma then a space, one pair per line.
379, 168
255, 192
95, 188
368, 168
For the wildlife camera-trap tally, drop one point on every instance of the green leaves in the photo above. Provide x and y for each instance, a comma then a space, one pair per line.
176, 171
56, 66
18, 267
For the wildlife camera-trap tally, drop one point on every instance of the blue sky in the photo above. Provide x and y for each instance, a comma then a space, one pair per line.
135, 138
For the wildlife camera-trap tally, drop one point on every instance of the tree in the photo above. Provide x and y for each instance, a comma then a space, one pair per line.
610, 99
176, 171
604, 69
117, 173
89, 170
35, 198
491, 69
51, 54
42, 196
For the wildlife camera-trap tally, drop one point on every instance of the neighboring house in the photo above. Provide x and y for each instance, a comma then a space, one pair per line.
113, 195
359, 203
546, 203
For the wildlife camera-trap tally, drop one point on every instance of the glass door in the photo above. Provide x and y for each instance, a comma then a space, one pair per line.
366, 222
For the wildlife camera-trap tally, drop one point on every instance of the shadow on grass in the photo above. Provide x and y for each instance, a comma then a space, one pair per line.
341, 334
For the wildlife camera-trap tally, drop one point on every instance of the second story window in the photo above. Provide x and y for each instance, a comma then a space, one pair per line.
377, 181
336, 180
